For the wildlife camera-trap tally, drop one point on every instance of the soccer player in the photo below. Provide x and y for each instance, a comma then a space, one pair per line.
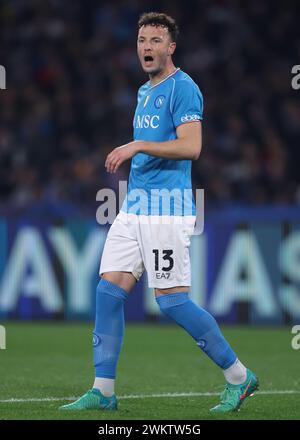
150, 234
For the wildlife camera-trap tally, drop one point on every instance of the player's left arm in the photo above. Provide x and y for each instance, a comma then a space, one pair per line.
187, 146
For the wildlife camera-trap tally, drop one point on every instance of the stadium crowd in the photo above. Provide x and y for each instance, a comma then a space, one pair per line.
72, 78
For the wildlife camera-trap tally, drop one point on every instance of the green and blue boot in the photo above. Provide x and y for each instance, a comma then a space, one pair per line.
93, 399
235, 395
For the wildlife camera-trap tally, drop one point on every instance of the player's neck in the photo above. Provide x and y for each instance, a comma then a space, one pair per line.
155, 79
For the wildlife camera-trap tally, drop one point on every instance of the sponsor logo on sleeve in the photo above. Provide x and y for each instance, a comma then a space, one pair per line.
190, 118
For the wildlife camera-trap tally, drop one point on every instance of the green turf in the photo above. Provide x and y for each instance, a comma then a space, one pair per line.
55, 360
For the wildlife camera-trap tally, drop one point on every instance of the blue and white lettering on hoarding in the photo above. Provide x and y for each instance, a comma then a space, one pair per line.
48, 271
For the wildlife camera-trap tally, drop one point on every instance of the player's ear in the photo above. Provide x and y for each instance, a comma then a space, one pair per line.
172, 48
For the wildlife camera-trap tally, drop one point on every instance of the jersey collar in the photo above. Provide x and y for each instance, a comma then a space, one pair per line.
165, 79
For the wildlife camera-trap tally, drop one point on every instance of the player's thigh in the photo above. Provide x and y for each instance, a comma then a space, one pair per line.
125, 280
121, 260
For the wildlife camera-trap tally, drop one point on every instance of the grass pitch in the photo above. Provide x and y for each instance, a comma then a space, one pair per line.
162, 374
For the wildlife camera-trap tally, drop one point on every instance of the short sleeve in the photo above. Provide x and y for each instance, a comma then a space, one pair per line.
187, 103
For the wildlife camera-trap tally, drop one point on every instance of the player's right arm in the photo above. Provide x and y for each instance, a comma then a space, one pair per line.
187, 146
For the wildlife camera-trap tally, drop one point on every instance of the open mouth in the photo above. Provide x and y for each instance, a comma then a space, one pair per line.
148, 59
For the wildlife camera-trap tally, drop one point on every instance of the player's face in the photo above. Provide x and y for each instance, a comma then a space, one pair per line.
154, 47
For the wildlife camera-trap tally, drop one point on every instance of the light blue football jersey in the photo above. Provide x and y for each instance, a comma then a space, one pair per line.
160, 186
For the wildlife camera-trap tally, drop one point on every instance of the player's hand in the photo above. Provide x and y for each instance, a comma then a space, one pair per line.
118, 155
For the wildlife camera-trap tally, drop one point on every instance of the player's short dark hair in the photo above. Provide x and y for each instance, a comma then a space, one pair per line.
159, 19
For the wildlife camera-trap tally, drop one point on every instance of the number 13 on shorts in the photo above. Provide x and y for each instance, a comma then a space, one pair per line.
163, 263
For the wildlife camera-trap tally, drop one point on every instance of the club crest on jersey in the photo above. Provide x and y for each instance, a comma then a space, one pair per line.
159, 101
146, 100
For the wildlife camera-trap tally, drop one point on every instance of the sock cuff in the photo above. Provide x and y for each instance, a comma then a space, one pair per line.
232, 364
105, 286
172, 299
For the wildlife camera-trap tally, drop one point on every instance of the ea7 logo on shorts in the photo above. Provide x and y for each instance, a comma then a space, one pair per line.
190, 118
162, 275
147, 121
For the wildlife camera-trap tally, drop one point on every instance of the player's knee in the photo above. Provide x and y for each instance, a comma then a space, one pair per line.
167, 303
179, 289
106, 287
124, 280
106, 276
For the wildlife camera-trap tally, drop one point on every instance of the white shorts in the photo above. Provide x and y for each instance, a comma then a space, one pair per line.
159, 244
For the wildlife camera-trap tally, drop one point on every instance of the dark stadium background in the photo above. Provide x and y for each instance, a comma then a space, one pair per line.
72, 78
